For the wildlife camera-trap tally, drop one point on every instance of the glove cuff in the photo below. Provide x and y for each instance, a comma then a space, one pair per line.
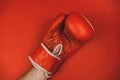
45, 60
38, 67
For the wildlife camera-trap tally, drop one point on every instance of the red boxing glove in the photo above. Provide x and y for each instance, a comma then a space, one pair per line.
65, 36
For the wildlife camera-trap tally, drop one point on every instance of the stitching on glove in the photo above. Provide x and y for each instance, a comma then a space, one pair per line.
87, 21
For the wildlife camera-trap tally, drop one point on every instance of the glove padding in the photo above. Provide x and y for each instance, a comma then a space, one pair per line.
65, 36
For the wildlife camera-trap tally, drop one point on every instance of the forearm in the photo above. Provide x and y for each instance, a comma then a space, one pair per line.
65, 36
33, 74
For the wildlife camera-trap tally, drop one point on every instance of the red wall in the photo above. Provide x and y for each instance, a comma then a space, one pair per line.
23, 23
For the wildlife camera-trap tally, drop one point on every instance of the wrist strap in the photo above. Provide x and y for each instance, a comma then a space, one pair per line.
55, 54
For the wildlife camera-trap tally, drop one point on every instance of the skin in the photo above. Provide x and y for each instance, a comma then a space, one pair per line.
23, 23
33, 74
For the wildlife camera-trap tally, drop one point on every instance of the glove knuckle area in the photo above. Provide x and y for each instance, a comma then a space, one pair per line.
78, 27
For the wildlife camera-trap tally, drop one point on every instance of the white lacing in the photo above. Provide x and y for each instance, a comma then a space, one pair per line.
56, 52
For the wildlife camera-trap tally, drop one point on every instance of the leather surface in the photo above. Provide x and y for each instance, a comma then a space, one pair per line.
24, 22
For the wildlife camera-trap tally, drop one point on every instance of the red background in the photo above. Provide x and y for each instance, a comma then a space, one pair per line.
23, 23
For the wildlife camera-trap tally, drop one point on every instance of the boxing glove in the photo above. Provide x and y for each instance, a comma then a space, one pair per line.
66, 34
